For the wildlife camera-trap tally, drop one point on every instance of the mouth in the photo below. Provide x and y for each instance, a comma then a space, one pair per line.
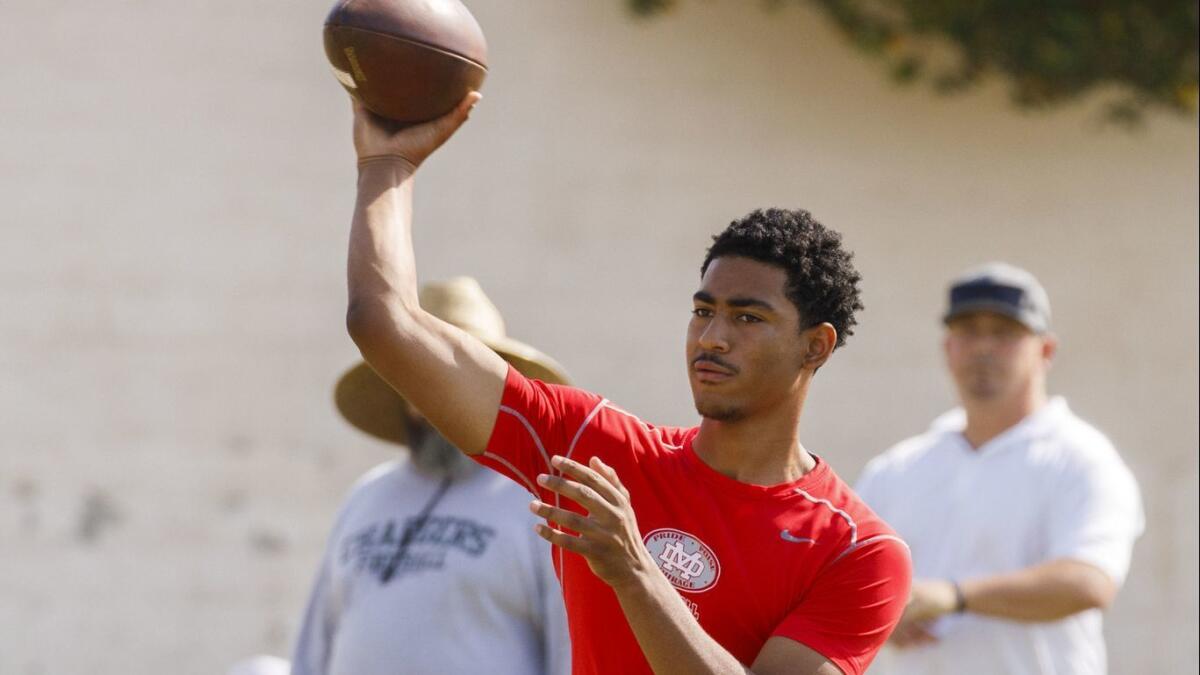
983, 369
711, 371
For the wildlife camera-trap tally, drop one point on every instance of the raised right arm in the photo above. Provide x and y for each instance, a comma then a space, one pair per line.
452, 378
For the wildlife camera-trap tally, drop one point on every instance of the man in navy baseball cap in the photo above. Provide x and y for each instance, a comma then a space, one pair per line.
1021, 516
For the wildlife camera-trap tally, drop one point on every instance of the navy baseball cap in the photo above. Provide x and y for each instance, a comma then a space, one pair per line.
1004, 289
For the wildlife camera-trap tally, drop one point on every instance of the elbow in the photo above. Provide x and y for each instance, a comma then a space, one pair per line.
1098, 593
359, 319
372, 321
1092, 588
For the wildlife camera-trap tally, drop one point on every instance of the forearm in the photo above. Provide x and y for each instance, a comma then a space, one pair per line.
670, 637
1045, 592
381, 268
452, 378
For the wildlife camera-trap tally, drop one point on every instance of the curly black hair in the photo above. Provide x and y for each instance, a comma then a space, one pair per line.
821, 280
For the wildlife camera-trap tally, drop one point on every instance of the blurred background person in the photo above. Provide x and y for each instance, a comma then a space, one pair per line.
1021, 516
430, 547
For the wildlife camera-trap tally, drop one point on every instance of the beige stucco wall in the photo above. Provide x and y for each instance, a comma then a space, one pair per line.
177, 177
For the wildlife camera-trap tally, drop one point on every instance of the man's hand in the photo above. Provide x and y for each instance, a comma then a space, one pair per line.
928, 600
376, 137
911, 634
608, 535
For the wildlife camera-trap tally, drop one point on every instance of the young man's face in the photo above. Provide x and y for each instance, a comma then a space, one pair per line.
745, 350
993, 357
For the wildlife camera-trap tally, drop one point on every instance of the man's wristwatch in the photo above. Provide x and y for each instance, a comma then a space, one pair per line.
960, 600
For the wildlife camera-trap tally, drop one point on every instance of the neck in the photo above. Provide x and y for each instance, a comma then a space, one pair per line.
762, 449
435, 458
988, 419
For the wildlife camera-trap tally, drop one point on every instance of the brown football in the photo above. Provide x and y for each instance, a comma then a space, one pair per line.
407, 60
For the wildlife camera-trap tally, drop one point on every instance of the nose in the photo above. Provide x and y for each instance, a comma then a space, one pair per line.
714, 337
984, 344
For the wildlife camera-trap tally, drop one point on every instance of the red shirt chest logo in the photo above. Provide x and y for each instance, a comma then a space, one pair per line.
688, 563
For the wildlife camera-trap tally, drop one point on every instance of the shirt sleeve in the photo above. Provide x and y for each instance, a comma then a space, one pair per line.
535, 422
1096, 515
853, 605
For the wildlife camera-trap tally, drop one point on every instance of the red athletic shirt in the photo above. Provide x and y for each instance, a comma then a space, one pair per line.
805, 560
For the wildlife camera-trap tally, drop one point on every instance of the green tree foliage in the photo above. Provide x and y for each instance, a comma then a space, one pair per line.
1051, 51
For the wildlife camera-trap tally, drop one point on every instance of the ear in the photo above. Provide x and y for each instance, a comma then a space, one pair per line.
1049, 347
819, 342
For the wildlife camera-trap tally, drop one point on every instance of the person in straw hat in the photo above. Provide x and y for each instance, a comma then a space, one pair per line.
726, 547
429, 547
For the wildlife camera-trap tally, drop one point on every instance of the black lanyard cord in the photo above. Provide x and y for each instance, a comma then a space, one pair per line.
410, 533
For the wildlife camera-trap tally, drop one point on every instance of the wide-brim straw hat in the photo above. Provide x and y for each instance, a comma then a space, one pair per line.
371, 405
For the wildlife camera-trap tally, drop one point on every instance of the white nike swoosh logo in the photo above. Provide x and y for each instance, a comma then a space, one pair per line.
788, 536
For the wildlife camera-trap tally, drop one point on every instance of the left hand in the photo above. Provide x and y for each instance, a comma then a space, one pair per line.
928, 600
608, 535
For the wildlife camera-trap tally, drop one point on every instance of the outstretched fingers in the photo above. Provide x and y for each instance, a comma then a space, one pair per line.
463, 110
608, 535
564, 541
442, 128
563, 517
581, 494
606, 486
609, 473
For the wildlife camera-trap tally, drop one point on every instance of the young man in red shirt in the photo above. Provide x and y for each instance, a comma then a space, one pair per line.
725, 548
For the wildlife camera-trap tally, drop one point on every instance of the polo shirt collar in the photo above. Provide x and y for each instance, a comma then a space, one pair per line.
1039, 423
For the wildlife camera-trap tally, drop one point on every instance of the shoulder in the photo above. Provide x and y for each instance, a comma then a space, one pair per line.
1077, 445
863, 553
911, 452
586, 408
524, 394
578, 423
870, 548
849, 519
614, 418
378, 477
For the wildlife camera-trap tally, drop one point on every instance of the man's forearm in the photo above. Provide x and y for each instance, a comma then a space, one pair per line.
1045, 592
452, 378
380, 265
668, 634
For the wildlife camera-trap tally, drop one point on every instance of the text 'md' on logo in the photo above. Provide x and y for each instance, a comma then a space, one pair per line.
688, 563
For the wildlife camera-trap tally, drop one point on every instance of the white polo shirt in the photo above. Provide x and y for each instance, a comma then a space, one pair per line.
1050, 487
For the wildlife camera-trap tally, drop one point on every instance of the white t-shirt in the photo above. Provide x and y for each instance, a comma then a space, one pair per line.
1050, 487
475, 593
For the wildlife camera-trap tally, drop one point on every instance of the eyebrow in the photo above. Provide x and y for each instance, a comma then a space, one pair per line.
708, 299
